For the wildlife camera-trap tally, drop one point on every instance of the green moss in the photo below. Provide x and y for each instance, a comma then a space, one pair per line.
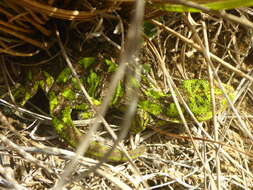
93, 81
53, 101
66, 116
58, 125
86, 115
198, 97
64, 76
82, 106
146, 68
155, 94
68, 94
172, 111
140, 122
60, 128
75, 84
87, 61
134, 83
95, 101
49, 81
112, 67
119, 92
85, 112
205, 116
150, 107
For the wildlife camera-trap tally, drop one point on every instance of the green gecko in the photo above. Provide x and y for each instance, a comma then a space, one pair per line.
65, 96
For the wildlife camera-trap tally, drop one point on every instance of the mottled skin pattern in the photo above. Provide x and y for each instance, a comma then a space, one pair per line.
64, 95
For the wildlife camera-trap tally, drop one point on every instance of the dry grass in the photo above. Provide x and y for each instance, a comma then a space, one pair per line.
215, 154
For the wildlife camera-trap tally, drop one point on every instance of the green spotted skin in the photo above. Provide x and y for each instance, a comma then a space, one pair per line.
196, 93
64, 96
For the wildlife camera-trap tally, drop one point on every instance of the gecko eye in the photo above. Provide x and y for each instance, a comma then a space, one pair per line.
76, 114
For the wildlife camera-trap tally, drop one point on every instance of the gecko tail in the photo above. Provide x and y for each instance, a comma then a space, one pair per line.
97, 150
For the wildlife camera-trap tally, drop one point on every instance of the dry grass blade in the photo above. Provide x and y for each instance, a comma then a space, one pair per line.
60, 13
25, 38
16, 148
214, 57
18, 28
11, 183
222, 14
